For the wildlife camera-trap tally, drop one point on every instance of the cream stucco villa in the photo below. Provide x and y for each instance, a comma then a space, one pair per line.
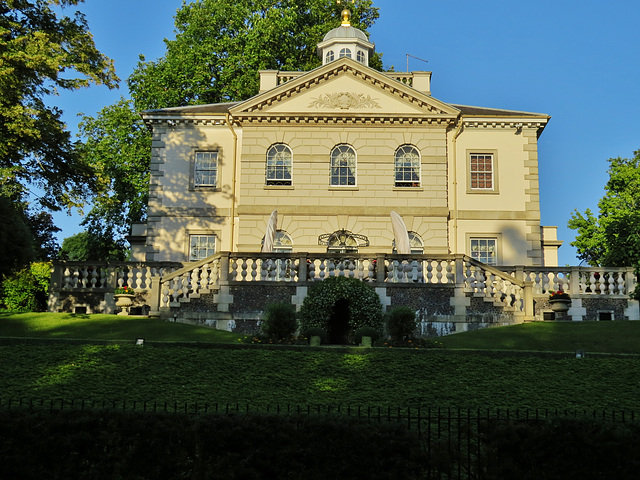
334, 151
324, 173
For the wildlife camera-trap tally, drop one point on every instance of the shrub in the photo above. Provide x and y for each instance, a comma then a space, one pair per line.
279, 321
26, 290
365, 309
401, 323
375, 334
316, 332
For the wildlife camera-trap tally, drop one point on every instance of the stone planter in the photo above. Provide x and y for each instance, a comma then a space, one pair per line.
560, 306
124, 301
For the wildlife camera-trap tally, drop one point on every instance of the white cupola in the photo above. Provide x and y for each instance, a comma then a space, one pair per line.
345, 41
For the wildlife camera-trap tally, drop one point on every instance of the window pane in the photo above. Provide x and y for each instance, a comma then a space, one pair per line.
481, 166
407, 167
345, 52
279, 161
206, 169
484, 250
343, 166
201, 246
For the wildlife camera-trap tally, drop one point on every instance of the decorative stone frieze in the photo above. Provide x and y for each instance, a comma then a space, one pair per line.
344, 100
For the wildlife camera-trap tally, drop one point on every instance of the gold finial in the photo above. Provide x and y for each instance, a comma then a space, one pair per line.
346, 18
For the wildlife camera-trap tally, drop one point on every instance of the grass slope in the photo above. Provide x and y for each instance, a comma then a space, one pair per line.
602, 337
259, 375
106, 327
379, 377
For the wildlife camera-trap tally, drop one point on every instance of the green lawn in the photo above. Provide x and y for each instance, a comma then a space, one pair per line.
603, 337
106, 327
517, 374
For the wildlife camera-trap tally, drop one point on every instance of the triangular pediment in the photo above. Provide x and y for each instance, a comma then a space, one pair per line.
345, 88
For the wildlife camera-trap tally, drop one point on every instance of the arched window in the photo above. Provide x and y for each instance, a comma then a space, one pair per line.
279, 163
343, 166
282, 242
329, 56
345, 52
360, 56
415, 242
343, 241
407, 166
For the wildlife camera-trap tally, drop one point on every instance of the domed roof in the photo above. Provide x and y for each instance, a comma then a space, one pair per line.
345, 32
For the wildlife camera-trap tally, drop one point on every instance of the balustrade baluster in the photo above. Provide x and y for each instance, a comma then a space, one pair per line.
611, 281
620, 282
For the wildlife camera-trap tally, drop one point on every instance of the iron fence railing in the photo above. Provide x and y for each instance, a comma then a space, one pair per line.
453, 439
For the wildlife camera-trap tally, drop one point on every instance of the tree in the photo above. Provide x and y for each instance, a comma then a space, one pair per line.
38, 47
221, 45
612, 238
88, 246
118, 144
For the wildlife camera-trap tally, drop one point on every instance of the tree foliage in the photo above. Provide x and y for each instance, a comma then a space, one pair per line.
612, 238
25, 236
221, 45
38, 49
363, 304
118, 144
26, 290
89, 246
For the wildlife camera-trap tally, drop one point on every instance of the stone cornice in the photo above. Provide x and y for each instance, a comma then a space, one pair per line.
504, 122
353, 119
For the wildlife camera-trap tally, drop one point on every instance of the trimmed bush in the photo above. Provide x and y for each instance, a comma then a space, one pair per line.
401, 323
365, 332
364, 307
26, 290
316, 332
279, 321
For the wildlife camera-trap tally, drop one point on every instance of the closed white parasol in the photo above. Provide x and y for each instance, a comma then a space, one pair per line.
270, 235
400, 233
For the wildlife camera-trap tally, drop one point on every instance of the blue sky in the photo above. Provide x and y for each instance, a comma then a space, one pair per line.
577, 61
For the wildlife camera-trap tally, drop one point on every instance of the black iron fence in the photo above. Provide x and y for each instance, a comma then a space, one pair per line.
459, 443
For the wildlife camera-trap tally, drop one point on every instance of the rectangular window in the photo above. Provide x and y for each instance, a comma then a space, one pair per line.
201, 246
485, 250
481, 170
206, 169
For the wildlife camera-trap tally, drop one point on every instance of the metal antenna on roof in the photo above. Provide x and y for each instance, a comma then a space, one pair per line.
417, 58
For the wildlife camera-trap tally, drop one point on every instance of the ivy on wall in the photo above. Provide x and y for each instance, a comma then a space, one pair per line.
361, 302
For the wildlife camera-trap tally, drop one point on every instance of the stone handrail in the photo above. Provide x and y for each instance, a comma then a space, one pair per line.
169, 284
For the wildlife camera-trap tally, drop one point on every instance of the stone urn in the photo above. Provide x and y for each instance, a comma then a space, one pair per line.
124, 301
560, 305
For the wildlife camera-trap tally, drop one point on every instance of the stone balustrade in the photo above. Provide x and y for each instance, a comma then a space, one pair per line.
163, 285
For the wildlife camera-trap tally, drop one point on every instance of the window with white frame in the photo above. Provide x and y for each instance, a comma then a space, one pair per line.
329, 56
415, 242
407, 166
205, 173
485, 250
481, 170
201, 246
345, 52
279, 164
343, 166
360, 56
